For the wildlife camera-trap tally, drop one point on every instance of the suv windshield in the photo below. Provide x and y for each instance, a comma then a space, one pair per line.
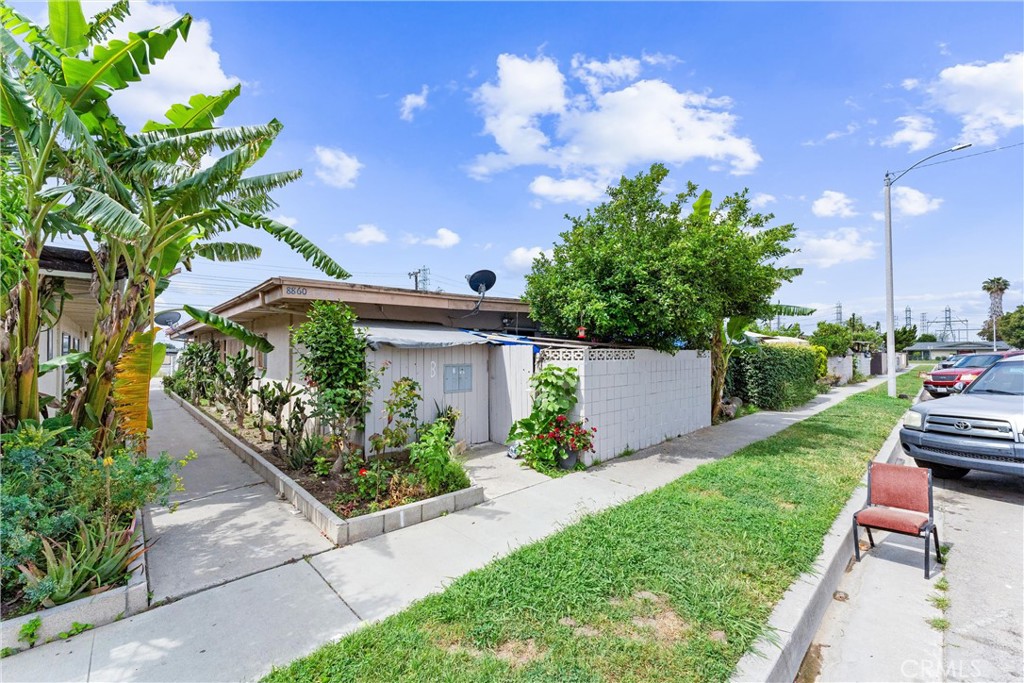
1001, 378
978, 361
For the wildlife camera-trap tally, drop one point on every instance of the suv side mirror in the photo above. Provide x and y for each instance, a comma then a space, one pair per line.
958, 387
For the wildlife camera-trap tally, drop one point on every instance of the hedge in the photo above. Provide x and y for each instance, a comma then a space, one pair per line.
773, 377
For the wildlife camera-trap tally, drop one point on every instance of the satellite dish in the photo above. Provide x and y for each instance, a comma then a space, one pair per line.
167, 318
482, 280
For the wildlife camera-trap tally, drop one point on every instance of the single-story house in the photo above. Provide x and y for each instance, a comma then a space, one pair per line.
427, 336
943, 349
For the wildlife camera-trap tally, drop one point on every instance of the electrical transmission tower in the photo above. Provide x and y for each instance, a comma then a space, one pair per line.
839, 313
953, 329
421, 279
910, 317
924, 324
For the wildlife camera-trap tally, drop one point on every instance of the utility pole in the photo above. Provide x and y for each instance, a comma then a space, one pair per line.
421, 279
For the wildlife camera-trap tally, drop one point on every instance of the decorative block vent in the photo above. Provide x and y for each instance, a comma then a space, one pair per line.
586, 354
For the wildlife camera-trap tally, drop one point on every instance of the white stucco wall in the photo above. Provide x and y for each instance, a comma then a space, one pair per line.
638, 398
50, 347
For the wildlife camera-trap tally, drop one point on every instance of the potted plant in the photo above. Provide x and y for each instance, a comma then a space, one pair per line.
572, 438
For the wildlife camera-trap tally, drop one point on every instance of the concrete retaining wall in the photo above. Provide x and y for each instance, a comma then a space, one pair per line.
637, 398
97, 610
337, 530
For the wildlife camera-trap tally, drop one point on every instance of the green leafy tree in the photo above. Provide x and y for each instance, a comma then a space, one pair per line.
636, 269
905, 336
834, 337
332, 355
1009, 328
926, 337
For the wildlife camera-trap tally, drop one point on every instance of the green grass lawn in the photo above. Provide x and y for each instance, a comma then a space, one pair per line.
676, 584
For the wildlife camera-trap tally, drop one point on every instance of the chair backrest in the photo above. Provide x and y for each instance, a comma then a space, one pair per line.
897, 486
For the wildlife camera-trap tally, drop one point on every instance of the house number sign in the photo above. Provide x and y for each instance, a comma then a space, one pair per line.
294, 290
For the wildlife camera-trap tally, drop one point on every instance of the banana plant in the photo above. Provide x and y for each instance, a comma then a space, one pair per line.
54, 122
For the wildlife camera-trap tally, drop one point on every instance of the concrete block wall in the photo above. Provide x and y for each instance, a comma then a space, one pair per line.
638, 398
842, 366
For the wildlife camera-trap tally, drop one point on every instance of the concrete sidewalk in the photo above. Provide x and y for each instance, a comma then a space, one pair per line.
240, 628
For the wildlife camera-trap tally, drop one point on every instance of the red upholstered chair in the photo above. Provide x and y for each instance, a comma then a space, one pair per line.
900, 501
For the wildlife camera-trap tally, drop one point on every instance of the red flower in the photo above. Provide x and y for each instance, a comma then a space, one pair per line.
561, 418
363, 472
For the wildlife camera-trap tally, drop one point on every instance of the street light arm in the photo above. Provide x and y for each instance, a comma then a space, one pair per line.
955, 148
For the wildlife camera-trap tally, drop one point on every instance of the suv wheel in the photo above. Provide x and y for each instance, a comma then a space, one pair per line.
943, 471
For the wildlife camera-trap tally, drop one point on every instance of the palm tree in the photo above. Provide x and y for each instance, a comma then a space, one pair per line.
996, 287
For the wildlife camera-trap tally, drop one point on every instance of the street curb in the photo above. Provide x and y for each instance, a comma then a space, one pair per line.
798, 615
337, 530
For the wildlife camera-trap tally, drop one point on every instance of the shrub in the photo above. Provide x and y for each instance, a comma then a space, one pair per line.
821, 362
50, 485
776, 377
431, 456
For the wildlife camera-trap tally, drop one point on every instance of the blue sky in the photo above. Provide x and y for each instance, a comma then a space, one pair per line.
456, 136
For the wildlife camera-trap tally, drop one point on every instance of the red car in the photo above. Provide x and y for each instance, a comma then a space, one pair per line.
941, 382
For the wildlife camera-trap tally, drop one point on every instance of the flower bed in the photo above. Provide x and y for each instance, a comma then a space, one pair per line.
339, 531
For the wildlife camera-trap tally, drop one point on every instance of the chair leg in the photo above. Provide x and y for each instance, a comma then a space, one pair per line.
927, 555
871, 539
938, 548
856, 539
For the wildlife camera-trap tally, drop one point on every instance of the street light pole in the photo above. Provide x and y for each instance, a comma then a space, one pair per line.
890, 323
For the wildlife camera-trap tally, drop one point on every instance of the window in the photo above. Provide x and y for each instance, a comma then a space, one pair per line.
458, 378
76, 344
65, 344
49, 344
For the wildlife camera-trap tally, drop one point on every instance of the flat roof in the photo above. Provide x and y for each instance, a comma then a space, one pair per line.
294, 295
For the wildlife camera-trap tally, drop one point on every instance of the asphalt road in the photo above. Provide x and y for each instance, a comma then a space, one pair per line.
983, 517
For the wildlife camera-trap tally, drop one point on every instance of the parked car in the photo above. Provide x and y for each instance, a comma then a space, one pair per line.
941, 382
981, 428
950, 361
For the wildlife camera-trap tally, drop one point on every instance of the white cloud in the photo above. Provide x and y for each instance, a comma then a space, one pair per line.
521, 259
567, 189
413, 102
832, 203
835, 247
761, 200
988, 98
598, 76
910, 83
594, 136
191, 66
917, 133
366, 234
660, 59
336, 168
877, 216
850, 129
442, 239
290, 221
911, 202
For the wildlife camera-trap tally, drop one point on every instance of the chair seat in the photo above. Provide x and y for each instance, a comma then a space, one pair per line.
903, 521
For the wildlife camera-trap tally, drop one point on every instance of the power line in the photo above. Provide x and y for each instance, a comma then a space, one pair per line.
961, 157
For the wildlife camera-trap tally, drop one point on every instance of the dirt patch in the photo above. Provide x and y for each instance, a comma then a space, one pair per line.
810, 668
718, 636
666, 626
786, 505
519, 652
